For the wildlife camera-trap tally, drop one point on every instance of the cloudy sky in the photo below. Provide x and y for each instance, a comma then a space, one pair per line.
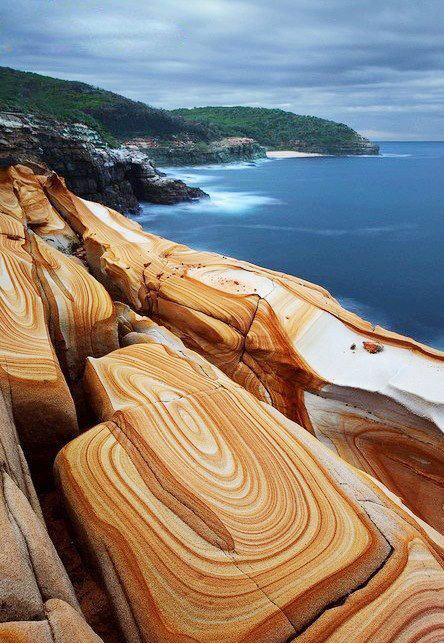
377, 65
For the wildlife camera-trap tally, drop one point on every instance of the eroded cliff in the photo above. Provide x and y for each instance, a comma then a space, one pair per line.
118, 177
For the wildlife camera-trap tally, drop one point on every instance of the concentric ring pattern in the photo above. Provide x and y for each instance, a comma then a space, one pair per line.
213, 517
288, 342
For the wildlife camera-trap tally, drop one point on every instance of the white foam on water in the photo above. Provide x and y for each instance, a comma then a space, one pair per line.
234, 202
190, 178
216, 167
394, 156
224, 202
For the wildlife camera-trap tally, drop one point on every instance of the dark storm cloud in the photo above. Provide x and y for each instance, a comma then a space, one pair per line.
375, 65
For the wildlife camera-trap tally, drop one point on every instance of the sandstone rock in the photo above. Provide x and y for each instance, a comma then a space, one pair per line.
209, 515
12, 460
37, 601
61, 624
288, 342
36, 210
213, 517
30, 570
80, 312
76, 314
42, 404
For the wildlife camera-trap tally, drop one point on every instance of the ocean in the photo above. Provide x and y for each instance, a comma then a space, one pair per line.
369, 229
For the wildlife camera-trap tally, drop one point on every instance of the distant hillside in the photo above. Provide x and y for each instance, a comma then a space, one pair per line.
119, 119
278, 129
114, 116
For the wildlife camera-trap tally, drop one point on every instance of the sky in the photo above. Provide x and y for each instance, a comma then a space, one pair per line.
376, 65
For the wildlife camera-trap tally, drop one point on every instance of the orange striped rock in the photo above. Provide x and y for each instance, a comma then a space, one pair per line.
42, 404
374, 397
35, 209
53, 314
213, 517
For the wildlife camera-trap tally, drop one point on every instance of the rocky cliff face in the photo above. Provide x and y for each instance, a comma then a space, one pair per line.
119, 178
231, 149
358, 147
208, 512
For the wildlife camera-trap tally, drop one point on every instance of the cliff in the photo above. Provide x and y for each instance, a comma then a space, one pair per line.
188, 152
117, 177
180, 137
277, 129
238, 474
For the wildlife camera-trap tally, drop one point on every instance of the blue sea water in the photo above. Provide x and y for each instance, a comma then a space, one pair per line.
369, 229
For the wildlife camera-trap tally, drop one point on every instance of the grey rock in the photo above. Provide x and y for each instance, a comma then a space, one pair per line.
117, 177
226, 150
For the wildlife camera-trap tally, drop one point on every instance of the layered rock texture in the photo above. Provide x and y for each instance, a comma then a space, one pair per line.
118, 177
374, 397
212, 494
188, 152
244, 526
37, 600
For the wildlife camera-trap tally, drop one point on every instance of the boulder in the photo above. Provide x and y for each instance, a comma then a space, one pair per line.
36, 211
12, 459
60, 624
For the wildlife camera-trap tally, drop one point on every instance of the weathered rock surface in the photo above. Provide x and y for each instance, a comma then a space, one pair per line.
209, 515
37, 601
60, 624
243, 526
12, 460
120, 177
226, 150
53, 313
42, 404
359, 146
290, 343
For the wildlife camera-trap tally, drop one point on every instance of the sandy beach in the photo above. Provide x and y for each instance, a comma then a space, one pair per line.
288, 154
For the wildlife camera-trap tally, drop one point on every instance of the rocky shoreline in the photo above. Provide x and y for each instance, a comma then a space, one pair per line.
231, 445
117, 177
121, 177
360, 147
186, 152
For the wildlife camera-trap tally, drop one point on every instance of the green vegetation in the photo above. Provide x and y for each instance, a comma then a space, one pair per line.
117, 118
113, 116
274, 127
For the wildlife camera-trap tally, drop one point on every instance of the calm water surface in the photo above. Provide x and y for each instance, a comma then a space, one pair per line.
369, 229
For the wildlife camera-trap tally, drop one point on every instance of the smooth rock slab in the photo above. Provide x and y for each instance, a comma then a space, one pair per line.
288, 342
213, 517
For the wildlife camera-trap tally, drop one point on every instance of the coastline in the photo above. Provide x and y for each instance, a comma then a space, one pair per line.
288, 154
